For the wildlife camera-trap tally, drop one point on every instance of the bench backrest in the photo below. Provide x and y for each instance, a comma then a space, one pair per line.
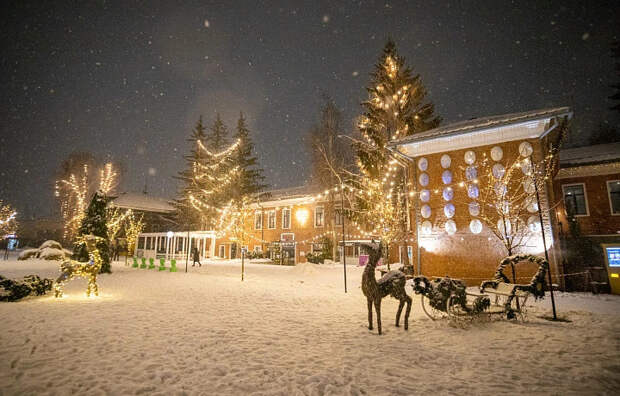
506, 288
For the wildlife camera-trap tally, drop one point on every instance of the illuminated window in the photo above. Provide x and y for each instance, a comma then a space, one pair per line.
286, 218
613, 189
271, 219
575, 199
258, 220
319, 216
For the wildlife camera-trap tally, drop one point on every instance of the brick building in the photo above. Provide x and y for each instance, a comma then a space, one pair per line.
448, 236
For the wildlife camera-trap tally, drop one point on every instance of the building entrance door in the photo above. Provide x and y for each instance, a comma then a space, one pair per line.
288, 253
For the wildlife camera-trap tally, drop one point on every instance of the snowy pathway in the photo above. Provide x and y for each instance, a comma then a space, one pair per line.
286, 330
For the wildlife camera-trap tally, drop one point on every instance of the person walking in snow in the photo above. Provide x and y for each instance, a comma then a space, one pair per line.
195, 257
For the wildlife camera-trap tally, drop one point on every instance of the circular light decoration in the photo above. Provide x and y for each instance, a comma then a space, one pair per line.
445, 161
450, 227
448, 194
446, 177
497, 153
426, 228
471, 173
498, 171
473, 191
529, 186
425, 195
422, 164
474, 208
530, 204
423, 179
500, 189
475, 226
470, 157
500, 227
525, 149
425, 211
533, 223
526, 166
449, 210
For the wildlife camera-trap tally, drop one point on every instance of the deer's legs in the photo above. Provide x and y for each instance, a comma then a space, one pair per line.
369, 314
407, 312
401, 304
378, 309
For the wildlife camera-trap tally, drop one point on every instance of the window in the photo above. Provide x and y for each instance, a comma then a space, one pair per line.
141, 243
613, 189
286, 218
222, 251
258, 220
271, 219
338, 217
575, 199
258, 248
319, 216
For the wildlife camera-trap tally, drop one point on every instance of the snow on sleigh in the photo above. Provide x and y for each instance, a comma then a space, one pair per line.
447, 297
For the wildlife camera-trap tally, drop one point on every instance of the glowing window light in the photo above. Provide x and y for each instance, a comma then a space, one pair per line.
302, 216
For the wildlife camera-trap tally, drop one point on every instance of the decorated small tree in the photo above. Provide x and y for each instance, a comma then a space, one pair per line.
133, 227
95, 223
8, 219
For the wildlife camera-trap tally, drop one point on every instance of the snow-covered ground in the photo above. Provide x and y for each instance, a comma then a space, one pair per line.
287, 330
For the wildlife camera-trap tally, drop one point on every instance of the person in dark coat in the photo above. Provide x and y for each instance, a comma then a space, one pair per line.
195, 257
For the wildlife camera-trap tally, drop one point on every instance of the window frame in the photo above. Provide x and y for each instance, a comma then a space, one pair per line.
290, 214
257, 215
269, 213
323, 216
258, 249
611, 208
585, 198
338, 215
222, 250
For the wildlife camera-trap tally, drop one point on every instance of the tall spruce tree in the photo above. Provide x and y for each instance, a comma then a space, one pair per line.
185, 215
397, 107
217, 139
94, 222
249, 178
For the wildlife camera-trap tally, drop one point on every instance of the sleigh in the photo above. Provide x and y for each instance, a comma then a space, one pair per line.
447, 297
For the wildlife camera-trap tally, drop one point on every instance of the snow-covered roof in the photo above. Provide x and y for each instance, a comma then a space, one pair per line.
141, 201
480, 131
596, 154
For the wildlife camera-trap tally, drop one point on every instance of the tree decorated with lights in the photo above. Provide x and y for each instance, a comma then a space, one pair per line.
74, 190
8, 219
209, 177
95, 223
133, 226
396, 107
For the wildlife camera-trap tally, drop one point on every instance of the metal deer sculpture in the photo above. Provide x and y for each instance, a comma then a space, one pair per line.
71, 269
392, 283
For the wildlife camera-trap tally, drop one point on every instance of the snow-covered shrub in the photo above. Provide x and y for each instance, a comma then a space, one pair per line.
52, 254
50, 244
28, 253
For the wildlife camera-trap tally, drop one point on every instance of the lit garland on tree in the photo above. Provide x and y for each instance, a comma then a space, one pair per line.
133, 226
73, 194
396, 108
8, 219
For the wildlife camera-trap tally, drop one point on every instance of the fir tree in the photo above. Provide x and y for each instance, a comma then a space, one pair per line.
217, 139
396, 107
94, 222
184, 215
249, 177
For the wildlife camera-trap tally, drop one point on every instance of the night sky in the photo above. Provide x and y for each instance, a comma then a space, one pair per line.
127, 80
